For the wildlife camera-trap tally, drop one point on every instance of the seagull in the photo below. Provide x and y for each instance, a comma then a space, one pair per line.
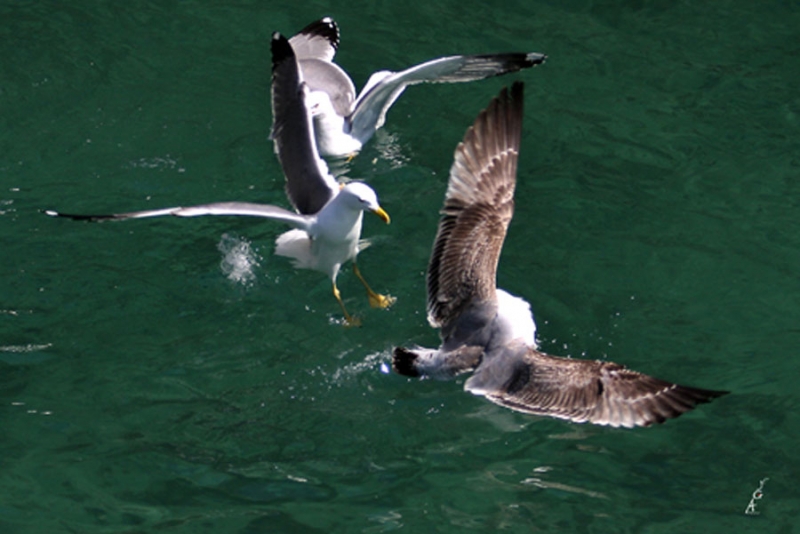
328, 216
344, 121
491, 332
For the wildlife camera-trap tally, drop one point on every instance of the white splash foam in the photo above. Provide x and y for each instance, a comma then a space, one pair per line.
376, 360
25, 348
239, 259
157, 162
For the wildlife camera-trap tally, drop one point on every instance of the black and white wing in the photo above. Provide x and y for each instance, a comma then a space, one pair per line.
315, 46
318, 40
309, 186
478, 207
245, 209
383, 88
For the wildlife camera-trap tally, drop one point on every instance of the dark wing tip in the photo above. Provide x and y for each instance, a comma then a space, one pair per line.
518, 61
489, 65
517, 91
281, 50
496, 131
404, 362
629, 398
706, 395
78, 217
635, 399
326, 28
478, 170
534, 59
694, 396
673, 402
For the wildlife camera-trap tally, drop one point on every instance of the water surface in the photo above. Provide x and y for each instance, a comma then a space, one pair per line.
175, 376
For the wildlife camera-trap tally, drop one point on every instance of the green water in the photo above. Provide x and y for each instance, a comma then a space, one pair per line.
174, 376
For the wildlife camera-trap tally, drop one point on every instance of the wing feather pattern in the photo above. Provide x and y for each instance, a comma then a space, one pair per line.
478, 207
581, 391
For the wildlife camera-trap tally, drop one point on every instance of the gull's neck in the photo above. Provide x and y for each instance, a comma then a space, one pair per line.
338, 221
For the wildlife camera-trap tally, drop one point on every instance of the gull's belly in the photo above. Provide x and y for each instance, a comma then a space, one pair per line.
333, 252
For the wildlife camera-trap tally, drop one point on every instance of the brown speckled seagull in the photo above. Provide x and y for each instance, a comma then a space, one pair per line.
492, 333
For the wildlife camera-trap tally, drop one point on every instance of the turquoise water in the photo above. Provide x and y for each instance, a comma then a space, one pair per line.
174, 376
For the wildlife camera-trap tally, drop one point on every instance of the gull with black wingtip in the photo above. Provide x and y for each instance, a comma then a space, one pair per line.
344, 120
327, 221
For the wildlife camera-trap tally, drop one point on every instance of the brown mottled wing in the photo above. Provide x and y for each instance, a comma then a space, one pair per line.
478, 206
602, 393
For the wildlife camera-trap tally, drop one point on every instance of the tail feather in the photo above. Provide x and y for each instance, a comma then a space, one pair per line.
296, 244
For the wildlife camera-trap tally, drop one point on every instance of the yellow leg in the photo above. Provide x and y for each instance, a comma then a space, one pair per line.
375, 300
348, 319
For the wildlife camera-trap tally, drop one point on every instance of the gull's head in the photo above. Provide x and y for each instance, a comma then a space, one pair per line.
360, 196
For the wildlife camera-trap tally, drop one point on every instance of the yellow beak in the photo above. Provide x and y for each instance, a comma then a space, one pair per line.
383, 215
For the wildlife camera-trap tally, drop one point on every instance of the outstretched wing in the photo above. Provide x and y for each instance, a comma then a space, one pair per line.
383, 88
217, 208
602, 393
309, 186
478, 206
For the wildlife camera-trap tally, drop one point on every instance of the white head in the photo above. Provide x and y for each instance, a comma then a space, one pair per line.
358, 195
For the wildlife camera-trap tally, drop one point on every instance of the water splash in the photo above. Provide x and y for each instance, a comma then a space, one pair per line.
31, 347
239, 259
166, 162
376, 360
31, 353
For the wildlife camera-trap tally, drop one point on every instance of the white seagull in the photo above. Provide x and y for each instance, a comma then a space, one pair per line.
344, 121
328, 217
488, 331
